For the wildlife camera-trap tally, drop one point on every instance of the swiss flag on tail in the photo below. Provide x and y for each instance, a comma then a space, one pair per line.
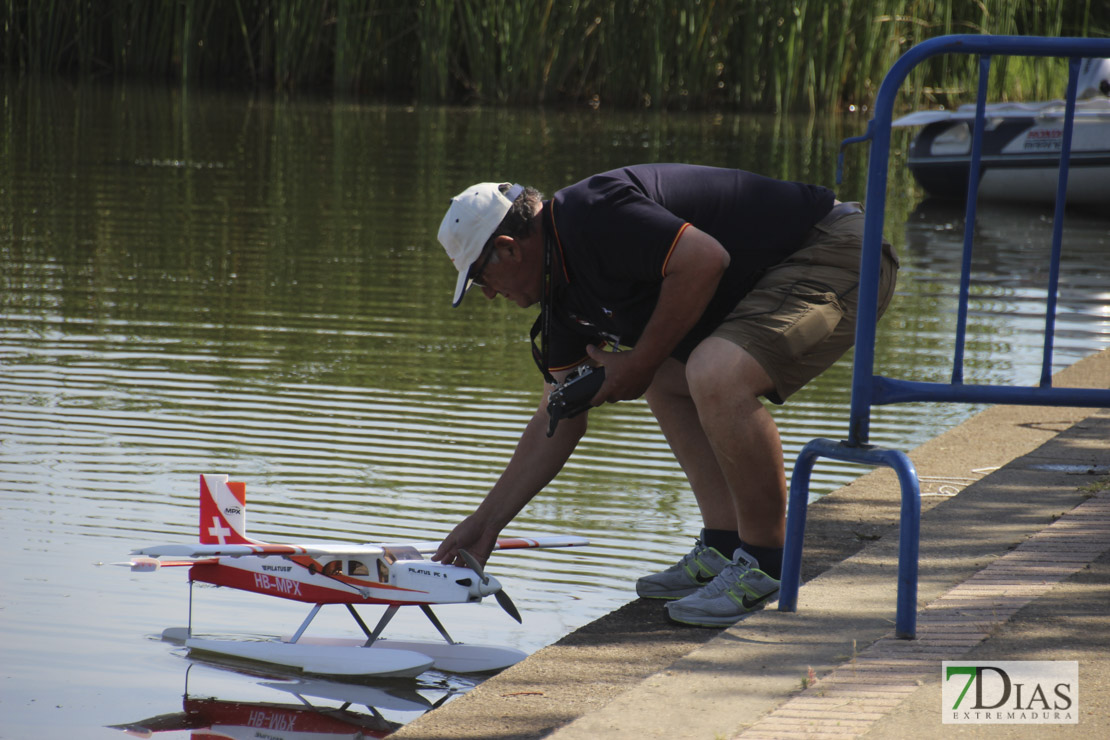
223, 511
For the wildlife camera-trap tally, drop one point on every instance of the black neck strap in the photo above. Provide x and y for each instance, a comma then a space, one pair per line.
542, 325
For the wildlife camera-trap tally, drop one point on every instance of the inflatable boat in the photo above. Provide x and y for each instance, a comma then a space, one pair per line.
1021, 147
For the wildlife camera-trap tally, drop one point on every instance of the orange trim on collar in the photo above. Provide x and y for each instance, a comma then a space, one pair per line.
558, 241
674, 244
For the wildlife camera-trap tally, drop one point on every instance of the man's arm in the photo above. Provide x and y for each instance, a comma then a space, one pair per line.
535, 463
695, 268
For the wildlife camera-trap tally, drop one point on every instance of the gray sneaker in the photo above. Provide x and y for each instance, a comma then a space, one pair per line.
696, 568
740, 589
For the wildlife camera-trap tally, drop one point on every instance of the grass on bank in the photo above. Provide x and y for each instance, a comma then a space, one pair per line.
781, 55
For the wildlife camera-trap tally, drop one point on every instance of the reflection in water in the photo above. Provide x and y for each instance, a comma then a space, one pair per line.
205, 283
288, 707
1010, 277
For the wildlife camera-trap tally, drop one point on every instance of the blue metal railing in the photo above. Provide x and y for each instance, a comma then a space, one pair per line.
869, 389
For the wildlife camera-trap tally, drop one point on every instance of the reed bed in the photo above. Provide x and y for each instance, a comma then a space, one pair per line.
780, 55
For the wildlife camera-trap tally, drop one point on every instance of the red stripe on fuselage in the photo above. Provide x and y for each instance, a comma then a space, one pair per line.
298, 589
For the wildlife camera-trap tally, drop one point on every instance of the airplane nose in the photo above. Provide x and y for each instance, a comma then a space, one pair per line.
487, 587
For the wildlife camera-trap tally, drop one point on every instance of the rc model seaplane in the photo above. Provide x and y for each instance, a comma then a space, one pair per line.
391, 575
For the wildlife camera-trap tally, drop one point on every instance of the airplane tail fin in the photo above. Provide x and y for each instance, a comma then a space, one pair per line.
223, 511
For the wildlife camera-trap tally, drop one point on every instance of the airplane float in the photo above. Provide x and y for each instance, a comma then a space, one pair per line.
390, 575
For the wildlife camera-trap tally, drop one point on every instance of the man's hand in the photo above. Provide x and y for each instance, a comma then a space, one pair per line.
626, 377
473, 535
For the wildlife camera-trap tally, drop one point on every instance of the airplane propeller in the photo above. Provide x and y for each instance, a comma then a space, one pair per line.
502, 597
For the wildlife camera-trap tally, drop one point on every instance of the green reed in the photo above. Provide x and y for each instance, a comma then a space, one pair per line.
737, 54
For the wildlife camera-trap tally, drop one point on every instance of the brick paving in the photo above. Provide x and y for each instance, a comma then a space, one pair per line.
850, 699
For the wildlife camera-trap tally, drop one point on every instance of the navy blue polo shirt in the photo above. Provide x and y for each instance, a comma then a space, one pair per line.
614, 232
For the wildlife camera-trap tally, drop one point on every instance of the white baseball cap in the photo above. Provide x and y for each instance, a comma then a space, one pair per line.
473, 216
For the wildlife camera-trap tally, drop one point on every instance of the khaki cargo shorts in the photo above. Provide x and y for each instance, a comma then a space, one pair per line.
800, 317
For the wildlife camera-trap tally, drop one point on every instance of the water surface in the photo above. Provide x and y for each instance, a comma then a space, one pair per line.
214, 283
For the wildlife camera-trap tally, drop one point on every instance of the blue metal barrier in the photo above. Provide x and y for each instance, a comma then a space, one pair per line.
869, 389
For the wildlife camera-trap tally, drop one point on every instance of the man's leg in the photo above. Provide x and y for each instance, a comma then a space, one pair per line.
669, 398
670, 402
726, 384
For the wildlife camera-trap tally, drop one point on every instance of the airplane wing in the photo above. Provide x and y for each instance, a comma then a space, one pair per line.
551, 540
337, 549
503, 543
197, 550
